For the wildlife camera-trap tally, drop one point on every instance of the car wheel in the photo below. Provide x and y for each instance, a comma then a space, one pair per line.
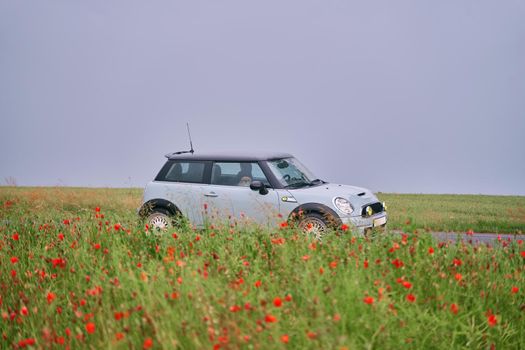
313, 224
159, 220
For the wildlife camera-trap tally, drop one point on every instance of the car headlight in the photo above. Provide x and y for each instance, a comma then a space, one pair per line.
343, 205
384, 206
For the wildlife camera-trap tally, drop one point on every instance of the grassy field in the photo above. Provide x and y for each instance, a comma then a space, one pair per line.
458, 213
78, 270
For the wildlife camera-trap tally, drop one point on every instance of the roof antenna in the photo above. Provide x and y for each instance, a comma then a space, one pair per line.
183, 152
189, 136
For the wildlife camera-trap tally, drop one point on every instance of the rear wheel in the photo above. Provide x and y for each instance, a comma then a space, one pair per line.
313, 224
159, 220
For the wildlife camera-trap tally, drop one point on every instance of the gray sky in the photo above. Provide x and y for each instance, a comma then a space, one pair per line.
397, 96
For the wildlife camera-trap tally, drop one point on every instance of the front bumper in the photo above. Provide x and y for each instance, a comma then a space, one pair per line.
364, 223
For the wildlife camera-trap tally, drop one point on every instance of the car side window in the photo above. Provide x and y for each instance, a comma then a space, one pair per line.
237, 173
192, 172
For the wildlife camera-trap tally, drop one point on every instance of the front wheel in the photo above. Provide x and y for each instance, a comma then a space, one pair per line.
313, 224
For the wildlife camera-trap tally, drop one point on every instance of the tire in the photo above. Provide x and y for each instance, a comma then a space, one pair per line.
159, 220
313, 224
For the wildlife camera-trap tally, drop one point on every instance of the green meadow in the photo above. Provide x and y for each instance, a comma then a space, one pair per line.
79, 270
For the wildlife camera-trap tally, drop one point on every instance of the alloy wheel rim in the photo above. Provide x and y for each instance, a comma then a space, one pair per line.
313, 227
159, 222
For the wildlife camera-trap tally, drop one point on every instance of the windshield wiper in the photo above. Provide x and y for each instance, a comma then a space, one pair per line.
298, 185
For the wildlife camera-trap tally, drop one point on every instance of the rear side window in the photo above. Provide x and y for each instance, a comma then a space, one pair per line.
182, 171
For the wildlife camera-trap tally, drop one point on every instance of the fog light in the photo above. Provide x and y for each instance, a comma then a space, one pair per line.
369, 211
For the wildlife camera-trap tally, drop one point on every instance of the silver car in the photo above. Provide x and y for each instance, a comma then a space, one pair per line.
266, 189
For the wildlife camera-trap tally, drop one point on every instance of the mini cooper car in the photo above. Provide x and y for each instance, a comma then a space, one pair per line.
266, 189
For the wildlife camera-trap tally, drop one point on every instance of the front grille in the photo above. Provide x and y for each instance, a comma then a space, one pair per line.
377, 207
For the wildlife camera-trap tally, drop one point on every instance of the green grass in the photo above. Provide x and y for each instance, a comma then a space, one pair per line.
458, 213
65, 272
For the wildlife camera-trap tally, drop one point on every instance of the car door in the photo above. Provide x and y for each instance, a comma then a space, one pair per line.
230, 198
182, 185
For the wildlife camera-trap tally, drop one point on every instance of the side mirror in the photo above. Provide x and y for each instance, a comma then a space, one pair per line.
259, 186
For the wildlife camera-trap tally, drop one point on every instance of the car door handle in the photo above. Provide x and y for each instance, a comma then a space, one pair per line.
211, 194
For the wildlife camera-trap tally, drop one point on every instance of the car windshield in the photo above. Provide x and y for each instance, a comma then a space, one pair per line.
292, 174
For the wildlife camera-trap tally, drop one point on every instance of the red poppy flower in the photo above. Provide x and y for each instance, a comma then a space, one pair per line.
24, 311
235, 308
278, 241
270, 319
411, 298
457, 262
90, 327
523, 254
458, 277
368, 300
277, 302
58, 262
285, 338
66, 222
311, 335
50, 297
365, 264
333, 264
148, 343
61, 236
491, 319
397, 263
257, 283
288, 297
15, 236
14, 260
514, 290
116, 227
454, 308
284, 224
344, 227
26, 342
407, 284
97, 209
430, 250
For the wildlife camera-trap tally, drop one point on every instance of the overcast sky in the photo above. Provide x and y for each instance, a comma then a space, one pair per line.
397, 96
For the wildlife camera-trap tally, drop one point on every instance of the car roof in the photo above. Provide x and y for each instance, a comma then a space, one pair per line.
229, 156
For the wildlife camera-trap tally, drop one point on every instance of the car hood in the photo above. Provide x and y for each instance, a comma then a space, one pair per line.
335, 190
325, 194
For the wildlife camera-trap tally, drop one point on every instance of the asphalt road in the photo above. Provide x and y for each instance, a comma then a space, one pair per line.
477, 238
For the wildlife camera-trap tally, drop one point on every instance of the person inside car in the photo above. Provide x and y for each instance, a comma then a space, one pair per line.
244, 176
